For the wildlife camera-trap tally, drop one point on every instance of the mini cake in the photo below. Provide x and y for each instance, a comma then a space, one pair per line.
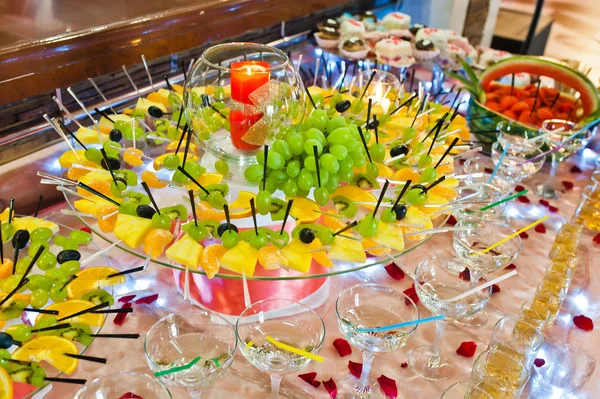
352, 27
396, 20
345, 17
403, 34
374, 37
331, 23
437, 36
354, 48
394, 52
448, 59
425, 50
490, 56
415, 28
463, 43
368, 15
327, 37
521, 79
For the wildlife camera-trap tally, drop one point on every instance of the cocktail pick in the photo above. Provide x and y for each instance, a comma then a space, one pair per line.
402, 192
131, 80
447, 94
498, 164
512, 84
84, 311
482, 286
101, 94
253, 215
535, 101
106, 311
11, 210
295, 350
64, 128
66, 111
99, 194
193, 204
505, 239
35, 258
287, 213
408, 101
439, 123
53, 125
316, 155
317, 66
38, 206
77, 381
73, 277
362, 137
419, 110
104, 114
92, 359
437, 230
369, 113
14, 291
41, 311
179, 168
70, 91
435, 183
265, 162
99, 253
124, 336
310, 97
381, 196
401, 325
51, 328
435, 135
555, 100
147, 189
168, 83
406, 271
376, 128
187, 147
128, 271
412, 80
545, 135
178, 368
368, 84
510, 197
447, 152
148, 72
105, 157
348, 227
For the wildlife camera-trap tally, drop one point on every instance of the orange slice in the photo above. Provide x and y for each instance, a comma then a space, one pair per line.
320, 256
210, 260
107, 225
156, 241
76, 173
356, 194
51, 349
270, 258
154, 96
5, 268
370, 246
92, 278
152, 180
305, 210
405, 174
332, 222
6, 385
133, 156
205, 180
73, 306
158, 162
172, 146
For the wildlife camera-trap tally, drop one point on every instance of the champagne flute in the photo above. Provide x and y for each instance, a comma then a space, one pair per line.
369, 306
117, 385
263, 326
190, 349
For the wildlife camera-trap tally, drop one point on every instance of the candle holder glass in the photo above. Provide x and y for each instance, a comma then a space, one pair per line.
382, 89
241, 96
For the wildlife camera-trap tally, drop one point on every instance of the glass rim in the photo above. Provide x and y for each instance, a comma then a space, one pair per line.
539, 334
270, 49
136, 374
496, 223
468, 385
487, 352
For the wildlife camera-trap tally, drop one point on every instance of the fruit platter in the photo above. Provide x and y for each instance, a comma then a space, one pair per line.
57, 291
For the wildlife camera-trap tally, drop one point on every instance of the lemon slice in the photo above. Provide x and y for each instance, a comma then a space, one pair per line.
73, 306
51, 349
92, 278
6, 386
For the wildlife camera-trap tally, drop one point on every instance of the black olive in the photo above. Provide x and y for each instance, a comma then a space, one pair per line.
399, 150
224, 226
145, 211
67, 255
343, 106
6, 340
114, 163
20, 239
155, 112
307, 235
115, 135
420, 186
373, 124
400, 211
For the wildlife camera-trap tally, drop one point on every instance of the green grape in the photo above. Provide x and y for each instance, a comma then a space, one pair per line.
216, 200
276, 160
321, 196
257, 241
222, 167
263, 202
424, 160
260, 158
11, 282
171, 162
332, 183
45, 322
290, 187
333, 124
39, 281
383, 119
39, 298
22, 264
61, 241
80, 237
310, 144
117, 188
227, 125
162, 221
46, 261
318, 99
316, 134
58, 295
70, 267
279, 176
219, 94
320, 119
323, 174
121, 124
296, 142
4, 354
329, 163
270, 185
20, 332
305, 180
93, 155
338, 151
339, 136
409, 133
353, 145
56, 275
253, 173
388, 215
293, 168
325, 235
215, 123
418, 148
197, 232
71, 245
416, 196
372, 170
179, 177
7, 231
428, 174
229, 238
357, 106
282, 148
161, 125
377, 151
34, 247
194, 169
309, 163
346, 175
173, 133
367, 227
331, 112
346, 164
358, 158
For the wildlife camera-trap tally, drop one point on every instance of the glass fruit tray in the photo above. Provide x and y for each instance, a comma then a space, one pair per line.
22, 389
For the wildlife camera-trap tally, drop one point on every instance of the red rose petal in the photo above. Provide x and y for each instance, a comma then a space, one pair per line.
539, 362
88, 230
394, 271
544, 202
310, 378
465, 274
462, 161
523, 199
568, 185
126, 298
147, 300
495, 288
597, 238
343, 347
467, 349
130, 395
452, 221
519, 187
412, 294
512, 266
404, 365
331, 388
540, 228
488, 170
355, 368
388, 386
524, 235
575, 169
583, 322
553, 209
120, 317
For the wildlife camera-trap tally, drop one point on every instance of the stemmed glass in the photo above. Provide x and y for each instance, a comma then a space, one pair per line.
287, 322
117, 385
520, 149
464, 390
370, 306
548, 190
436, 282
480, 192
181, 338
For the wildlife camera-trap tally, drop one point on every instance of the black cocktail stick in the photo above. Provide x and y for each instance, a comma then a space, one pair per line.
147, 189
84, 311
369, 113
41, 311
99, 194
310, 97
265, 161
183, 134
348, 227
86, 358
107, 311
253, 215
187, 147
179, 168
435, 183
537, 91
368, 84
38, 206
51, 328
73, 277
128, 271
512, 84
193, 204
409, 101
35, 258
287, 213
124, 336
381, 195
77, 381
447, 152
104, 114
402, 192
362, 137
555, 100
168, 83
316, 154
65, 128
14, 291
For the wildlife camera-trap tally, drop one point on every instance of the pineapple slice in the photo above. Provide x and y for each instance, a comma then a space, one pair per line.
132, 230
298, 255
143, 104
30, 223
389, 235
416, 216
90, 136
106, 126
4, 215
186, 251
67, 159
241, 257
91, 206
433, 199
320, 256
348, 250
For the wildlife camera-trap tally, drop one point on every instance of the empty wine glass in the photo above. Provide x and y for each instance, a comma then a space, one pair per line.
464, 390
265, 324
199, 338
119, 384
520, 149
436, 282
478, 193
369, 306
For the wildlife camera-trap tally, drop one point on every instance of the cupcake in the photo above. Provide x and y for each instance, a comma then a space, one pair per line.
448, 59
403, 34
463, 43
327, 37
354, 48
352, 27
437, 36
330, 23
345, 17
394, 52
396, 20
490, 56
425, 50
415, 28
368, 16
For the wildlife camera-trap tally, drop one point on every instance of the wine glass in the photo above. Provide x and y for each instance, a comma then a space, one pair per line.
436, 282
479, 193
520, 149
199, 338
568, 148
369, 306
464, 390
117, 385
287, 322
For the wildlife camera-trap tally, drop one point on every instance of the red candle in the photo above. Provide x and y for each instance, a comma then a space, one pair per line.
246, 77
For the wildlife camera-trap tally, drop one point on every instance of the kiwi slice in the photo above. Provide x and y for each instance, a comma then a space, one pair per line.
210, 225
128, 208
12, 309
134, 197
222, 188
79, 332
31, 373
99, 296
175, 212
277, 209
364, 181
130, 177
345, 206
